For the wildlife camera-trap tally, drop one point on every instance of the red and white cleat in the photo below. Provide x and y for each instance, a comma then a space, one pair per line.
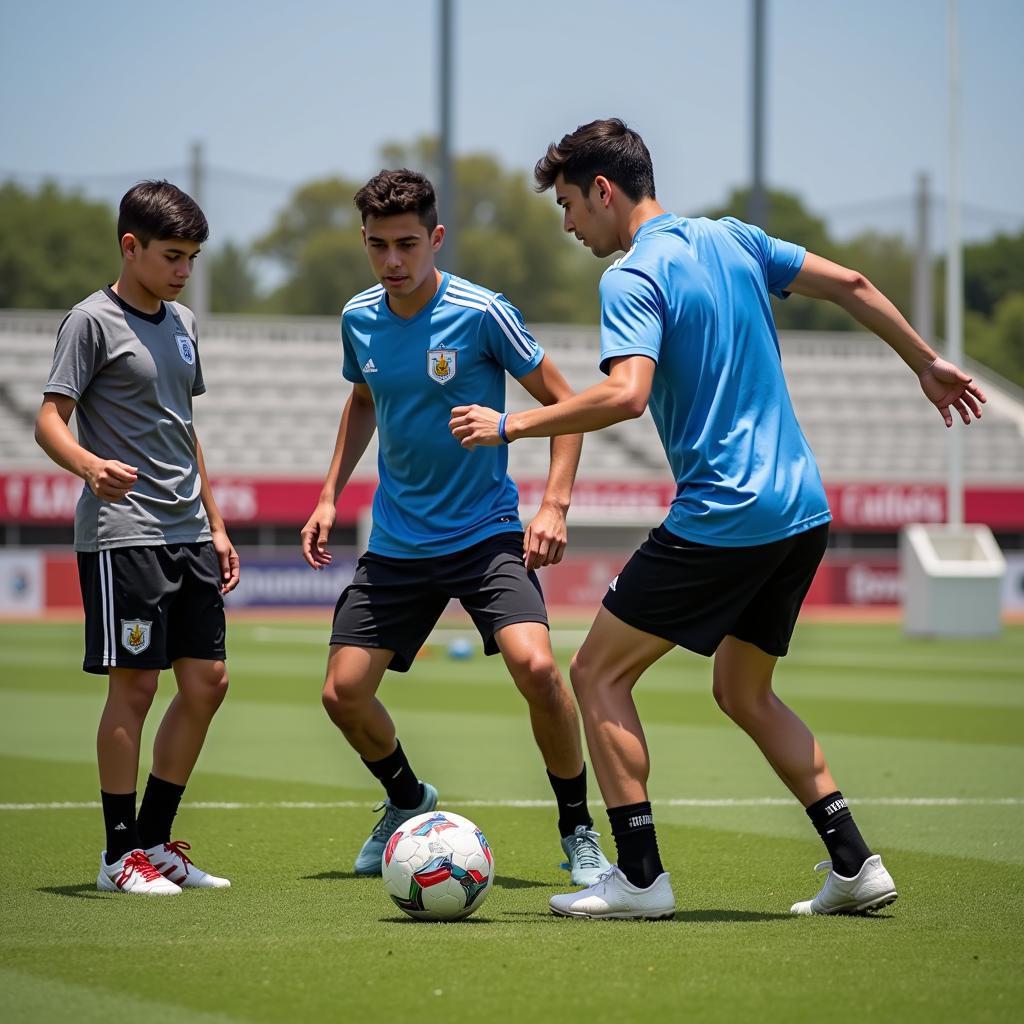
175, 865
134, 873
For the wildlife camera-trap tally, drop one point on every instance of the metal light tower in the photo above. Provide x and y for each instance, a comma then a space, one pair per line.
446, 71
199, 282
758, 209
954, 272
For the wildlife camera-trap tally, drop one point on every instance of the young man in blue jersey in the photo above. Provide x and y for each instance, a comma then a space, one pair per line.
687, 328
445, 521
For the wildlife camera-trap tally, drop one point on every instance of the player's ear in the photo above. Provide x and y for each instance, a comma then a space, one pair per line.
604, 189
130, 245
437, 237
362, 235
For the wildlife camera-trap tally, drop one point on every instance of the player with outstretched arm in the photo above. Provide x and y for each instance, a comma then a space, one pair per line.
687, 330
445, 521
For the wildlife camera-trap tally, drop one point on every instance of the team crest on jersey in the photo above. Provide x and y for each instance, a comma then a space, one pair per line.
135, 634
441, 364
185, 348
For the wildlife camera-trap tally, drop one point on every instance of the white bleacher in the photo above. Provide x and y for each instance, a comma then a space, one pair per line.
276, 392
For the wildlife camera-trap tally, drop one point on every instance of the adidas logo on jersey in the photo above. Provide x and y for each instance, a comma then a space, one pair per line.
369, 367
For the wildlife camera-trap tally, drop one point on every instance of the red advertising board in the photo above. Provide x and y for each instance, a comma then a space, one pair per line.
39, 498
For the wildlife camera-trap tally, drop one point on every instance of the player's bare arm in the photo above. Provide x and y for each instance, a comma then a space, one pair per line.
108, 479
946, 386
226, 553
623, 396
358, 423
547, 535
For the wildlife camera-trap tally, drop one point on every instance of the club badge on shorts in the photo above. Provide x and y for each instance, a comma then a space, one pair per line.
441, 364
185, 348
135, 635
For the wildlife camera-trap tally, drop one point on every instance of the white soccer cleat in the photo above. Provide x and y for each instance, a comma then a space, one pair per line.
173, 863
870, 889
135, 874
612, 896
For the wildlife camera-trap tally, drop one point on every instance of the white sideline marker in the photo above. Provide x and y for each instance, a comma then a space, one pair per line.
768, 801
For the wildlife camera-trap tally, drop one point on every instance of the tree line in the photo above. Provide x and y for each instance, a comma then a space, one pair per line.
57, 246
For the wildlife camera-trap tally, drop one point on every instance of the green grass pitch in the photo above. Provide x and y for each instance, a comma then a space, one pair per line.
924, 737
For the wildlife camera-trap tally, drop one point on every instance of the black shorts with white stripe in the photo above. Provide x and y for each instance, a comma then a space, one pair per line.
146, 607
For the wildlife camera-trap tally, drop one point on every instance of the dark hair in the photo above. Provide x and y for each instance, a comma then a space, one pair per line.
160, 210
605, 147
389, 193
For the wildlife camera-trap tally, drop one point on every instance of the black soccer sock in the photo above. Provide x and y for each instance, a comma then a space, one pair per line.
119, 820
397, 778
156, 815
834, 822
571, 795
636, 843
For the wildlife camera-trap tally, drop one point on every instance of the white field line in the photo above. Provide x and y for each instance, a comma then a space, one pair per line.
768, 801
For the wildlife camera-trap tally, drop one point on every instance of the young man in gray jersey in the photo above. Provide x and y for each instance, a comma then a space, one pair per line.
154, 557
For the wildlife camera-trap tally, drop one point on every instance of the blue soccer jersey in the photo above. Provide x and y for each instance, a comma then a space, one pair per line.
434, 496
693, 295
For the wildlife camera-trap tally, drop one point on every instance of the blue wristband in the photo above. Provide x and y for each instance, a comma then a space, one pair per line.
501, 427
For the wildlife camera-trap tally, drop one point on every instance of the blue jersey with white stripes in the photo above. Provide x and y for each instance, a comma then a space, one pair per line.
693, 296
435, 497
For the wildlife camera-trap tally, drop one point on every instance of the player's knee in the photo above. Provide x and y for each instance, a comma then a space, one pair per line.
341, 701
723, 697
135, 691
583, 676
538, 679
738, 702
207, 690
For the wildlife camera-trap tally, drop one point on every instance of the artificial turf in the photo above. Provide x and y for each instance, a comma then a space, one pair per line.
925, 738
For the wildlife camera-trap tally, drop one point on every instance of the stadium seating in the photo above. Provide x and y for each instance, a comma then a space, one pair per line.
276, 392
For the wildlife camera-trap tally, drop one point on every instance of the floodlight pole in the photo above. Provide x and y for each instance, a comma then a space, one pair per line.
924, 306
199, 282
446, 72
758, 203
954, 273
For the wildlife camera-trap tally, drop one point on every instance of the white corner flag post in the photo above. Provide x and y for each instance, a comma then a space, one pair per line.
952, 574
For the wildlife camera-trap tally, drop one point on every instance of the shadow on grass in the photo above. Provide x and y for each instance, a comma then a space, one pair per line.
85, 891
734, 916
409, 920
508, 882
682, 917
336, 876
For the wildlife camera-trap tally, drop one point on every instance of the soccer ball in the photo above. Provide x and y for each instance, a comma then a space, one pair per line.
438, 867
460, 649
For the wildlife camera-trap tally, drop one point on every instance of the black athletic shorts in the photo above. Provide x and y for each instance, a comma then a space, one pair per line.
394, 603
695, 595
146, 607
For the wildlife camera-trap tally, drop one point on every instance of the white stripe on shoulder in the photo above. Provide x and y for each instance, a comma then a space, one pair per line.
622, 259
365, 298
521, 341
457, 300
471, 289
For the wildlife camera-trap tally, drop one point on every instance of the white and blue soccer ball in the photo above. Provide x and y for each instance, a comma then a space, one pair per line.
438, 867
460, 648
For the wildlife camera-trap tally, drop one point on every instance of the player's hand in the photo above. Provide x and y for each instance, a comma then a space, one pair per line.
228, 558
474, 425
545, 538
947, 387
111, 480
315, 533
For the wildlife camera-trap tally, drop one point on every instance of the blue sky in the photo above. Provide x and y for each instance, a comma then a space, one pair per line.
103, 93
